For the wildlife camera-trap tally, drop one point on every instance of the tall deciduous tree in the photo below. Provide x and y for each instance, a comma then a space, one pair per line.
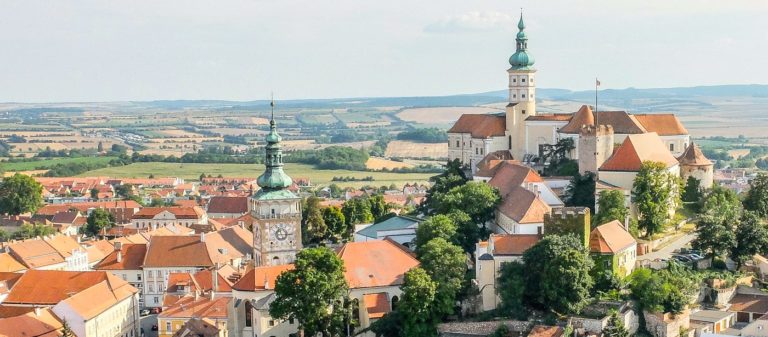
751, 238
452, 177
611, 206
581, 191
511, 289
315, 229
337, 226
561, 282
314, 293
477, 199
714, 235
467, 232
723, 203
356, 211
20, 194
692, 192
757, 196
99, 220
655, 191
416, 306
438, 226
446, 264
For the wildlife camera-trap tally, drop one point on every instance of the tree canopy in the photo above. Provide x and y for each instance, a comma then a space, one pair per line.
20, 194
655, 191
757, 196
314, 293
581, 191
446, 264
476, 199
99, 219
611, 206
511, 289
751, 238
667, 290
453, 176
438, 226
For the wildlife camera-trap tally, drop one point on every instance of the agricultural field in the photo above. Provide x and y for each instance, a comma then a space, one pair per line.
318, 177
375, 163
440, 115
47, 163
408, 149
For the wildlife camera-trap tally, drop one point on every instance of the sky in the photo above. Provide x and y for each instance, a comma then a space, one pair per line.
95, 50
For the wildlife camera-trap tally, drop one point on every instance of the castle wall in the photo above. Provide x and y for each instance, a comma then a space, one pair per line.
705, 174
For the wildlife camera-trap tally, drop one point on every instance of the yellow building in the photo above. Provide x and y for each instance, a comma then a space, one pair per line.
213, 311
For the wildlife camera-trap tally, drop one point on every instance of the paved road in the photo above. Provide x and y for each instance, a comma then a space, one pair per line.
666, 252
146, 323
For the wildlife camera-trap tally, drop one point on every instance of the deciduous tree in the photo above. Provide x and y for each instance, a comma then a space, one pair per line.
655, 191
751, 238
615, 327
611, 206
446, 264
438, 226
416, 305
477, 199
337, 226
20, 194
511, 289
315, 228
99, 219
581, 191
452, 177
757, 196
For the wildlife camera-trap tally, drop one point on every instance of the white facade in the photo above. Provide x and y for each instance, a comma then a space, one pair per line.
167, 218
120, 320
156, 281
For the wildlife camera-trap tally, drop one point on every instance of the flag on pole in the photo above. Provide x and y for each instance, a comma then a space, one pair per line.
597, 82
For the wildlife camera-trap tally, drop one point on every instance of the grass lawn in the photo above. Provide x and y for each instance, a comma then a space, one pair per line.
192, 172
47, 163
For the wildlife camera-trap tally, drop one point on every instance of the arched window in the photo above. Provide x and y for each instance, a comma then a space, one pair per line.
395, 299
248, 313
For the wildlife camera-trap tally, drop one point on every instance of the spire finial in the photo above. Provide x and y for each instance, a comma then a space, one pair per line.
521, 24
272, 105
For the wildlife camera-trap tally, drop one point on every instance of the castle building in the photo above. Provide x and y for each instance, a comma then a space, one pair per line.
275, 210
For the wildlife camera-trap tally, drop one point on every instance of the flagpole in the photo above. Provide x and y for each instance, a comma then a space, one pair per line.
597, 84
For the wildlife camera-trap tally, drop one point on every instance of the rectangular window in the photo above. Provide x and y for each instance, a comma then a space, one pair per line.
671, 147
168, 326
271, 322
523, 80
155, 299
457, 143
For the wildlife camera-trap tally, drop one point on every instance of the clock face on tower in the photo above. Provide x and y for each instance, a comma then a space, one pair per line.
280, 232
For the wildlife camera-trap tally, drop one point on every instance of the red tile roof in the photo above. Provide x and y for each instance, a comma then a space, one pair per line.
36, 286
46, 324
178, 212
132, 257
523, 206
513, 244
582, 117
261, 278
375, 263
480, 126
749, 303
35, 253
610, 238
621, 121
662, 124
9, 264
694, 157
510, 175
635, 150
202, 307
551, 117
377, 304
546, 331
177, 251
228, 205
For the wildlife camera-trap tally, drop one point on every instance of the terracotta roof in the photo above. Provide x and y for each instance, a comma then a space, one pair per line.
635, 150
582, 117
65, 217
523, 206
261, 278
132, 256
610, 238
551, 117
375, 263
693, 157
63, 244
662, 124
46, 324
85, 206
178, 212
201, 281
546, 331
35, 253
203, 307
229, 243
94, 300
480, 126
35, 286
749, 303
513, 244
7, 311
177, 251
228, 205
9, 264
186, 203
197, 327
488, 165
377, 304
510, 175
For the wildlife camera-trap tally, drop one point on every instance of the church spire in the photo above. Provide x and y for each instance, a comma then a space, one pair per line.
273, 177
521, 59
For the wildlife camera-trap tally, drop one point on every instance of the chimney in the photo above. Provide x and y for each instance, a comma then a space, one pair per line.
202, 236
215, 276
38, 311
626, 223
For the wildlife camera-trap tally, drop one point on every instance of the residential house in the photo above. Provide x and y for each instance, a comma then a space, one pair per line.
125, 261
758, 328
748, 307
169, 254
9, 264
69, 223
94, 303
40, 323
613, 248
209, 309
58, 252
157, 217
227, 207
491, 254
401, 229
712, 321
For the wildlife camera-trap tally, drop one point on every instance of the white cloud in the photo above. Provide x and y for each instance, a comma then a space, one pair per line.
471, 22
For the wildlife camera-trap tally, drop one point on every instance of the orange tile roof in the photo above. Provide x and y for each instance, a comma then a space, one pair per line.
749, 303
662, 124
63, 244
228, 205
9, 264
546, 331
35, 286
510, 175
46, 324
694, 157
375, 263
94, 300
621, 121
480, 126
261, 278
377, 304
203, 307
551, 117
635, 150
513, 244
177, 251
610, 238
132, 256
85, 206
35, 253
229, 243
582, 117
179, 212
523, 206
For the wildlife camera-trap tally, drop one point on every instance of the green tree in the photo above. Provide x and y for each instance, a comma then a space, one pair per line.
446, 264
20, 194
415, 307
99, 219
615, 327
667, 290
655, 191
757, 196
562, 281
379, 207
124, 191
692, 191
611, 206
581, 191
722, 203
357, 211
467, 232
315, 229
337, 225
314, 293
751, 238
511, 289
4, 236
477, 199
714, 236
452, 177
438, 226
94, 193
28, 231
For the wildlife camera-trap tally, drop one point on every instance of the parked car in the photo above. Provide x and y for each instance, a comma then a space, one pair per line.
156, 310
695, 256
682, 258
144, 312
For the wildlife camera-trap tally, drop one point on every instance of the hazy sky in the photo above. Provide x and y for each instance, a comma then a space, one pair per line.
97, 50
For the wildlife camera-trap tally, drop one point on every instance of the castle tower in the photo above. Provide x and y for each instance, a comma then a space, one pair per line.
522, 93
693, 163
275, 209
595, 147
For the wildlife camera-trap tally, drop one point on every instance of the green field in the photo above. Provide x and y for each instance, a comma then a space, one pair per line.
193, 171
43, 164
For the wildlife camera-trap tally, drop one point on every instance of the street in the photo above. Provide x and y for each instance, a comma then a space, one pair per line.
146, 324
666, 252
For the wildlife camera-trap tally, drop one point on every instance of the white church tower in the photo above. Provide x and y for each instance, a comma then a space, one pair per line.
522, 93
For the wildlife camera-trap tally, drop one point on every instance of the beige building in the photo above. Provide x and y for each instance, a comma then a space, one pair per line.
490, 255
152, 218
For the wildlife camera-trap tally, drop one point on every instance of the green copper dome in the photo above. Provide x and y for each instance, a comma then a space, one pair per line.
521, 59
273, 178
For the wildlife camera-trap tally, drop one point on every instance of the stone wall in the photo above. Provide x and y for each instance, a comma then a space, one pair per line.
569, 220
668, 325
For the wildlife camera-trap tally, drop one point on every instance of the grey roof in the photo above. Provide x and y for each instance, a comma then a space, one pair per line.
712, 316
485, 256
393, 223
264, 302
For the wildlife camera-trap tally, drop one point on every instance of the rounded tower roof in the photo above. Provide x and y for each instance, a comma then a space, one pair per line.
521, 59
273, 177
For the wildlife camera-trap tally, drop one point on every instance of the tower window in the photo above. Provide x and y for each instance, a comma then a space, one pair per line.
671, 147
523, 112
523, 80
514, 80
523, 96
514, 95
457, 143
